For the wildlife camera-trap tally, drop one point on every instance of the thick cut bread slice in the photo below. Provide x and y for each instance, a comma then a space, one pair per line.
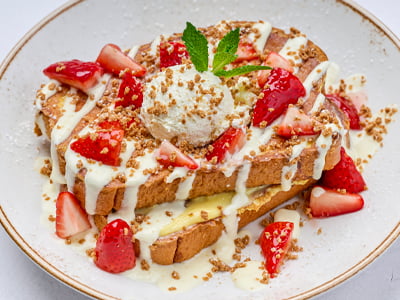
182, 245
266, 168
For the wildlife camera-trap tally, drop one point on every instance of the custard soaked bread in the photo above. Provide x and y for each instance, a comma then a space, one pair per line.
168, 126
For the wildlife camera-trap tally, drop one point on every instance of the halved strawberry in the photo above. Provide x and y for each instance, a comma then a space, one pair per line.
169, 155
230, 141
104, 145
130, 91
172, 53
273, 60
71, 218
348, 108
275, 242
113, 60
114, 250
78, 74
296, 122
246, 51
344, 175
325, 202
283, 89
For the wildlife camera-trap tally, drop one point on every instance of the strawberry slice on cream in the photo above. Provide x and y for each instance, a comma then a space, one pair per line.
296, 122
78, 74
230, 142
113, 60
273, 60
169, 155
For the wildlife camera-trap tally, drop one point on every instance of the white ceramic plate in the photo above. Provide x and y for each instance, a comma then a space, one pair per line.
349, 35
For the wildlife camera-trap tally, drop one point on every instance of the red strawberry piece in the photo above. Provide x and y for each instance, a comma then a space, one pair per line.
230, 141
169, 155
172, 53
344, 175
273, 60
296, 122
113, 60
76, 73
325, 202
283, 88
275, 242
110, 125
348, 108
104, 145
246, 51
130, 91
71, 218
114, 250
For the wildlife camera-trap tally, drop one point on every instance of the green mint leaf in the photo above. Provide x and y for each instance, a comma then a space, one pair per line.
197, 46
226, 50
240, 70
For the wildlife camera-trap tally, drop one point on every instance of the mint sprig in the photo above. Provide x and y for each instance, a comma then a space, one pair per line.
197, 46
226, 50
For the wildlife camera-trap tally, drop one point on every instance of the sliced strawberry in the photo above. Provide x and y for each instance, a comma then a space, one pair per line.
326, 202
71, 218
296, 122
113, 60
78, 74
114, 250
246, 51
169, 155
348, 108
104, 145
130, 91
273, 60
172, 53
283, 88
275, 242
344, 175
230, 141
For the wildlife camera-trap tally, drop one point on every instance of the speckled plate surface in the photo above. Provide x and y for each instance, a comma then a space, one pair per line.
350, 37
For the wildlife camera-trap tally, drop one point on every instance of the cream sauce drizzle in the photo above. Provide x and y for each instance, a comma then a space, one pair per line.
291, 50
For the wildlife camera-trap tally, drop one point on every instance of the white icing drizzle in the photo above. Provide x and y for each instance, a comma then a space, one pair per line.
319, 101
158, 219
249, 277
47, 92
185, 187
133, 51
155, 44
291, 50
40, 123
314, 76
323, 144
178, 172
259, 41
289, 171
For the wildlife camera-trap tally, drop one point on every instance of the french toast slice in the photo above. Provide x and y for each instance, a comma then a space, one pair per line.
186, 243
266, 167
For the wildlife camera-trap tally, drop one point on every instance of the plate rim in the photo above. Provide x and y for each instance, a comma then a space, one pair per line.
92, 292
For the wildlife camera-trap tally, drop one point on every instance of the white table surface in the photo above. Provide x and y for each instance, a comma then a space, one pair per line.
20, 278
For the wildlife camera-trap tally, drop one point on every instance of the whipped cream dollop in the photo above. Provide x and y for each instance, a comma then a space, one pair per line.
182, 103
